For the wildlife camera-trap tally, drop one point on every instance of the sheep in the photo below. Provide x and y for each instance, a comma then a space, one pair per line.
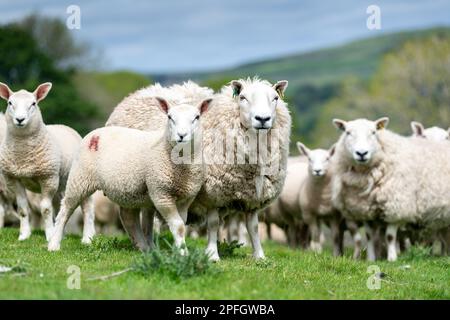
6, 203
315, 201
433, 133
138, 169
285, 210
382, 176
436, 134
242, 108
38, 157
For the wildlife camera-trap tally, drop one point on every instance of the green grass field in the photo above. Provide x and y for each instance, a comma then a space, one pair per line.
286, 274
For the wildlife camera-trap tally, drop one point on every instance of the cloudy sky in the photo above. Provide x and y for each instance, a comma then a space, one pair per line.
194, 35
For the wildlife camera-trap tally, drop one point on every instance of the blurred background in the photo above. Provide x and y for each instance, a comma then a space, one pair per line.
336, 65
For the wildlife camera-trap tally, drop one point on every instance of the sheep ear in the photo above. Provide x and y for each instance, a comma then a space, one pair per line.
332, 150
382, 123
340, 124
280, 87
163, 104
417, 128
42, 90
303, 149
237, 87
204, 105
5, 91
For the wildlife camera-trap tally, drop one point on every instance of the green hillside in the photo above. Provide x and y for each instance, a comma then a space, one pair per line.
327, 66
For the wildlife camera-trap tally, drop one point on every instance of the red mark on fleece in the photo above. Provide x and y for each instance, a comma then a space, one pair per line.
93, 143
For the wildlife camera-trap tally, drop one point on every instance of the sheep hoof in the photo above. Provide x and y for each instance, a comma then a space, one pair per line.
259, 257
24, 236
53, 247
214, 257
86, 240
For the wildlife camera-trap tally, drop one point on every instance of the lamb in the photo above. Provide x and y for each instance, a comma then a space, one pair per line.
242, 108
315, 201
38, 157
139, 170
433, 133
382, 176
6, 203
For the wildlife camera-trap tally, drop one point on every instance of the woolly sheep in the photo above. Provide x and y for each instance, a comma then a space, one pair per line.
382, 176
436, 134
315, 201
38, 157
241, 107
136, 169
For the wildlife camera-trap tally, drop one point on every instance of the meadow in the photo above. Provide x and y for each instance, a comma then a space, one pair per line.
285, 274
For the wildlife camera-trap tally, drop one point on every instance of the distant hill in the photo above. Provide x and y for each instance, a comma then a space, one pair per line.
321, 67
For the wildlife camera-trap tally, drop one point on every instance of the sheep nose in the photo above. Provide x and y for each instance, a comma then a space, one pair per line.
362, 154
317, 171
182, 135
262, 120
20, 120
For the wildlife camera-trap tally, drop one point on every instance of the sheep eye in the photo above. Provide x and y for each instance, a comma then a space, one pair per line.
348, 133
33, 104
9, 103
374, 132
170, 118
196, 118
276, 98
242, 98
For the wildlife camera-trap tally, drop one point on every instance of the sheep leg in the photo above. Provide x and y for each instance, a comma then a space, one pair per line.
176, 224
315, 235
337, 234
252, 229
87, 207
391, 240
242, 238
233, 228
132, 225
23, 212
370, 235
148, 219
2, 216
213, 224
68, 206
356, 235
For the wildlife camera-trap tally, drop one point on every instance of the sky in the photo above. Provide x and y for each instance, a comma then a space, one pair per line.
171, 36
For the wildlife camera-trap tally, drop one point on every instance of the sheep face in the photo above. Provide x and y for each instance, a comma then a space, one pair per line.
433, 133
318, 159
22, 105
183, 119
360, 138
257, 103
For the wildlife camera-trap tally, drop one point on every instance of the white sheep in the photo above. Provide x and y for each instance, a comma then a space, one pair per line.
382, 176
436, 134
243, 108
433, 133
138, 169
38, 157
316, 205
285, 210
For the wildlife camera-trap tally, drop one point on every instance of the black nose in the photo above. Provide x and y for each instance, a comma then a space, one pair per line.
317, 171
362, 154
20, 120
262, 119
182, 135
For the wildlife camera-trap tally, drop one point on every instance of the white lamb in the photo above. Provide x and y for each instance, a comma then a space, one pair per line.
433, 133
316, 205
382, 176
137, 169
243, 108
38, 157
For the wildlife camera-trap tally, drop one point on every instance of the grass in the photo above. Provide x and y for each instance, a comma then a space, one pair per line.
286, 274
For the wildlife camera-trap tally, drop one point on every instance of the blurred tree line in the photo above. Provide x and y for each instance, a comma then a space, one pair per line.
412, 83
40, 49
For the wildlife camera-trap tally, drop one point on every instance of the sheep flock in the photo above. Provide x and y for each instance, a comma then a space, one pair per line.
196, 162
